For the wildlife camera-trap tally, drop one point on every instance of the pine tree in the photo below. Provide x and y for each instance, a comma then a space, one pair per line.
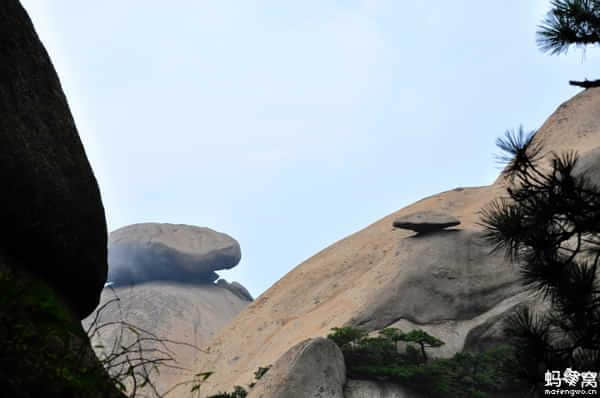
571, 22
549, 224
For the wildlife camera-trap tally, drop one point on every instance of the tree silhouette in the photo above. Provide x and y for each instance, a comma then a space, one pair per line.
423, 339
549, 224
571, 22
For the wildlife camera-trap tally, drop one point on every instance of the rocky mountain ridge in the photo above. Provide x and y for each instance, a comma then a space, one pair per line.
444, 283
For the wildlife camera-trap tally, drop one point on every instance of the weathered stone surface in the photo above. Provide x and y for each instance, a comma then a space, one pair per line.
236, 288
426, 221
44, 352
190, 314
491, 333
377, 389
50, 209
365, 274
169, 252
313, 368
449, 275
488, 334
589, 166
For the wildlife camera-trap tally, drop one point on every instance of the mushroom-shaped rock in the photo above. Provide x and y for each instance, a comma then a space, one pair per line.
426, 221
168, 252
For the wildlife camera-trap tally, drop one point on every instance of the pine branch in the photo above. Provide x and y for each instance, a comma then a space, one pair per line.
585, 83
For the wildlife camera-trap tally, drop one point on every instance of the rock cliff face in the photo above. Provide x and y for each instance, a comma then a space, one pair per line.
53, 239
52, 217
443, 281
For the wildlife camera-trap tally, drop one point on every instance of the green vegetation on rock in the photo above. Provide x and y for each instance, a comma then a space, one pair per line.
380, 358
45, 351
239, 391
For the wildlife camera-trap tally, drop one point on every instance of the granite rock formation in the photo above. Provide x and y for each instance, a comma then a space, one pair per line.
163, 276
443, 282
168, 252
53, 260
236, 288
52, 217
185, 313
423, 222
313, 368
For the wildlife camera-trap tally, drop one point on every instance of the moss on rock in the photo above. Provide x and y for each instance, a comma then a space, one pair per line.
45, 351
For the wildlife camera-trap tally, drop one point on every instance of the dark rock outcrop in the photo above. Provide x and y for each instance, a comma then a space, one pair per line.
53, 238
52, 217
44, 352
424, 222
168, 252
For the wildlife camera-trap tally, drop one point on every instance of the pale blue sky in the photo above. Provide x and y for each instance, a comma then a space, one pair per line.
292, 124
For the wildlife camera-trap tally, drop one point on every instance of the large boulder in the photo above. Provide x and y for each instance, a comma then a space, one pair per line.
169, 252
53, 238
50, 209
183, 313
163, 276
313, 368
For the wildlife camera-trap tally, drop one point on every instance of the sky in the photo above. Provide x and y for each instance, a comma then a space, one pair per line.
290, 125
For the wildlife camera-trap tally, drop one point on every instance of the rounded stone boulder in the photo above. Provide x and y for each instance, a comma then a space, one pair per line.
313, 368
426, 221
169, 252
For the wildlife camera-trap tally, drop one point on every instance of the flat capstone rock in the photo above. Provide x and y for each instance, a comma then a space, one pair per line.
426, 221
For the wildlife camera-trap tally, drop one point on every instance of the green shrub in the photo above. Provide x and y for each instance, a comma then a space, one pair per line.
464, 375
346, 336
